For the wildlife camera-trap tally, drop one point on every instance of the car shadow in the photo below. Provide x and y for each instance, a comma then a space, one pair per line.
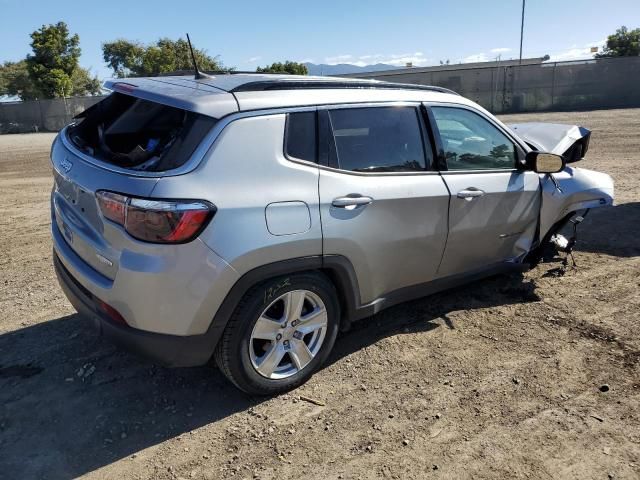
432, 312
70, 402
611, 230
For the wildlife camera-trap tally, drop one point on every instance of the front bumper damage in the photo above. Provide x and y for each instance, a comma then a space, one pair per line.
580, 189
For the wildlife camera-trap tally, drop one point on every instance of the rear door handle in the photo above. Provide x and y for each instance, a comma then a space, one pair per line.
350, 202
470, 193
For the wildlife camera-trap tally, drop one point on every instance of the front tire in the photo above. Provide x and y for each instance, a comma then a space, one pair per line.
280, 333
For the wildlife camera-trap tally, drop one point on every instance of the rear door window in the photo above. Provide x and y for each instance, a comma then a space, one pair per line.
378, 139
139, 134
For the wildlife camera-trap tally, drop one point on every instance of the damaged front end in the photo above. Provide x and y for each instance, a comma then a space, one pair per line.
567, 196
577, 189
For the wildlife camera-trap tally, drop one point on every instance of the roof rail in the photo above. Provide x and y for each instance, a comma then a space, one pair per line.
179, 73
285, 84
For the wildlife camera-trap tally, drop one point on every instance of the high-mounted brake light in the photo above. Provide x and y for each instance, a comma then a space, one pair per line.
156, 221
124, 87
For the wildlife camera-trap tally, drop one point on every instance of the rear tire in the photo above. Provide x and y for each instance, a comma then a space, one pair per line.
280, 333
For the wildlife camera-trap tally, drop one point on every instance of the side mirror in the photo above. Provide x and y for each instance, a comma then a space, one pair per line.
542, 162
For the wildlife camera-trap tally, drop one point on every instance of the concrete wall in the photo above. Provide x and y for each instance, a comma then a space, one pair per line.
585, 84
41, 115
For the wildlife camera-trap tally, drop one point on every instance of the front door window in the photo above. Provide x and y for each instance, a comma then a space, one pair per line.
472, 143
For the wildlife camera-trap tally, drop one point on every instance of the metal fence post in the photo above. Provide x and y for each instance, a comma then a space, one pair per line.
504, 90
42, 125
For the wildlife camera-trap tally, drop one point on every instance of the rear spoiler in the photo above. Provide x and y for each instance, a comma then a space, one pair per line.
570, 141
177, 92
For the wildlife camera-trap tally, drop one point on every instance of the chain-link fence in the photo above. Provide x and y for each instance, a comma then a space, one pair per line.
583, 84
41, 115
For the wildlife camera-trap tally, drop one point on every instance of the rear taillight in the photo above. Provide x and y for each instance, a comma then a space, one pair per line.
113, 206
156, 221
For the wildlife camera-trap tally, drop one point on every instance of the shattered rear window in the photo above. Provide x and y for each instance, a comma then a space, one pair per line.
139, 134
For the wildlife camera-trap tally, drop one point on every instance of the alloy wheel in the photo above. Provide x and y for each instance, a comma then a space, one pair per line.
288, 334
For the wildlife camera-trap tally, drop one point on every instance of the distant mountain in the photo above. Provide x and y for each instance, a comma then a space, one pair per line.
343, 68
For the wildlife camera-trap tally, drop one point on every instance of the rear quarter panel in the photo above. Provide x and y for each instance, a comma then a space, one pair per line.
245, 172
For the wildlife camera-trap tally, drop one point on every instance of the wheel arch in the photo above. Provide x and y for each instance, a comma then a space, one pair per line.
337, 268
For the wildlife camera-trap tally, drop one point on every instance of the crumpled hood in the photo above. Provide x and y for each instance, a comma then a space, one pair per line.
571, 141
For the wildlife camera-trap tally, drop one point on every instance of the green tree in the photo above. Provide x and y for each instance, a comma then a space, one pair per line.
123, 57
52, 70
135, 59
54, 60
623, 43
82, 83
15, 81
293, 68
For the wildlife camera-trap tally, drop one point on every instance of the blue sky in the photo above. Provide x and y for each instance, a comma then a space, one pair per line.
250, 33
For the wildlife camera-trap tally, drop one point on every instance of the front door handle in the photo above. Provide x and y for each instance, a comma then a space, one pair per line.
470, 193
351, 202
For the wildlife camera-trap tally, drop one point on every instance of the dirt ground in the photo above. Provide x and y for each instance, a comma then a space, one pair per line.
500, 379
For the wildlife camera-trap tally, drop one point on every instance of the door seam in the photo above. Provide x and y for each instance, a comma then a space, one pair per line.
446, 240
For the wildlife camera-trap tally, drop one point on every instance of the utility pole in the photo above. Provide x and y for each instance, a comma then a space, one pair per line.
521, 32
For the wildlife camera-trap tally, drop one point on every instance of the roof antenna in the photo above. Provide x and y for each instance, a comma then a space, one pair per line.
198, 73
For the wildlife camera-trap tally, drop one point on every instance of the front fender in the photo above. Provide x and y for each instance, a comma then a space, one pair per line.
581, 189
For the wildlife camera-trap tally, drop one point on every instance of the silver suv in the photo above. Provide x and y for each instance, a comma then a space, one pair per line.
252, 217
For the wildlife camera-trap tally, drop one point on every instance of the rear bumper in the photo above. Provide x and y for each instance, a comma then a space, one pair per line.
167, 350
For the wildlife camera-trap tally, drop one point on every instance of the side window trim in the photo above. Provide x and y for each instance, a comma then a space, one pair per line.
520, 151
427, 141
333, 160
324, 137
439, 162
